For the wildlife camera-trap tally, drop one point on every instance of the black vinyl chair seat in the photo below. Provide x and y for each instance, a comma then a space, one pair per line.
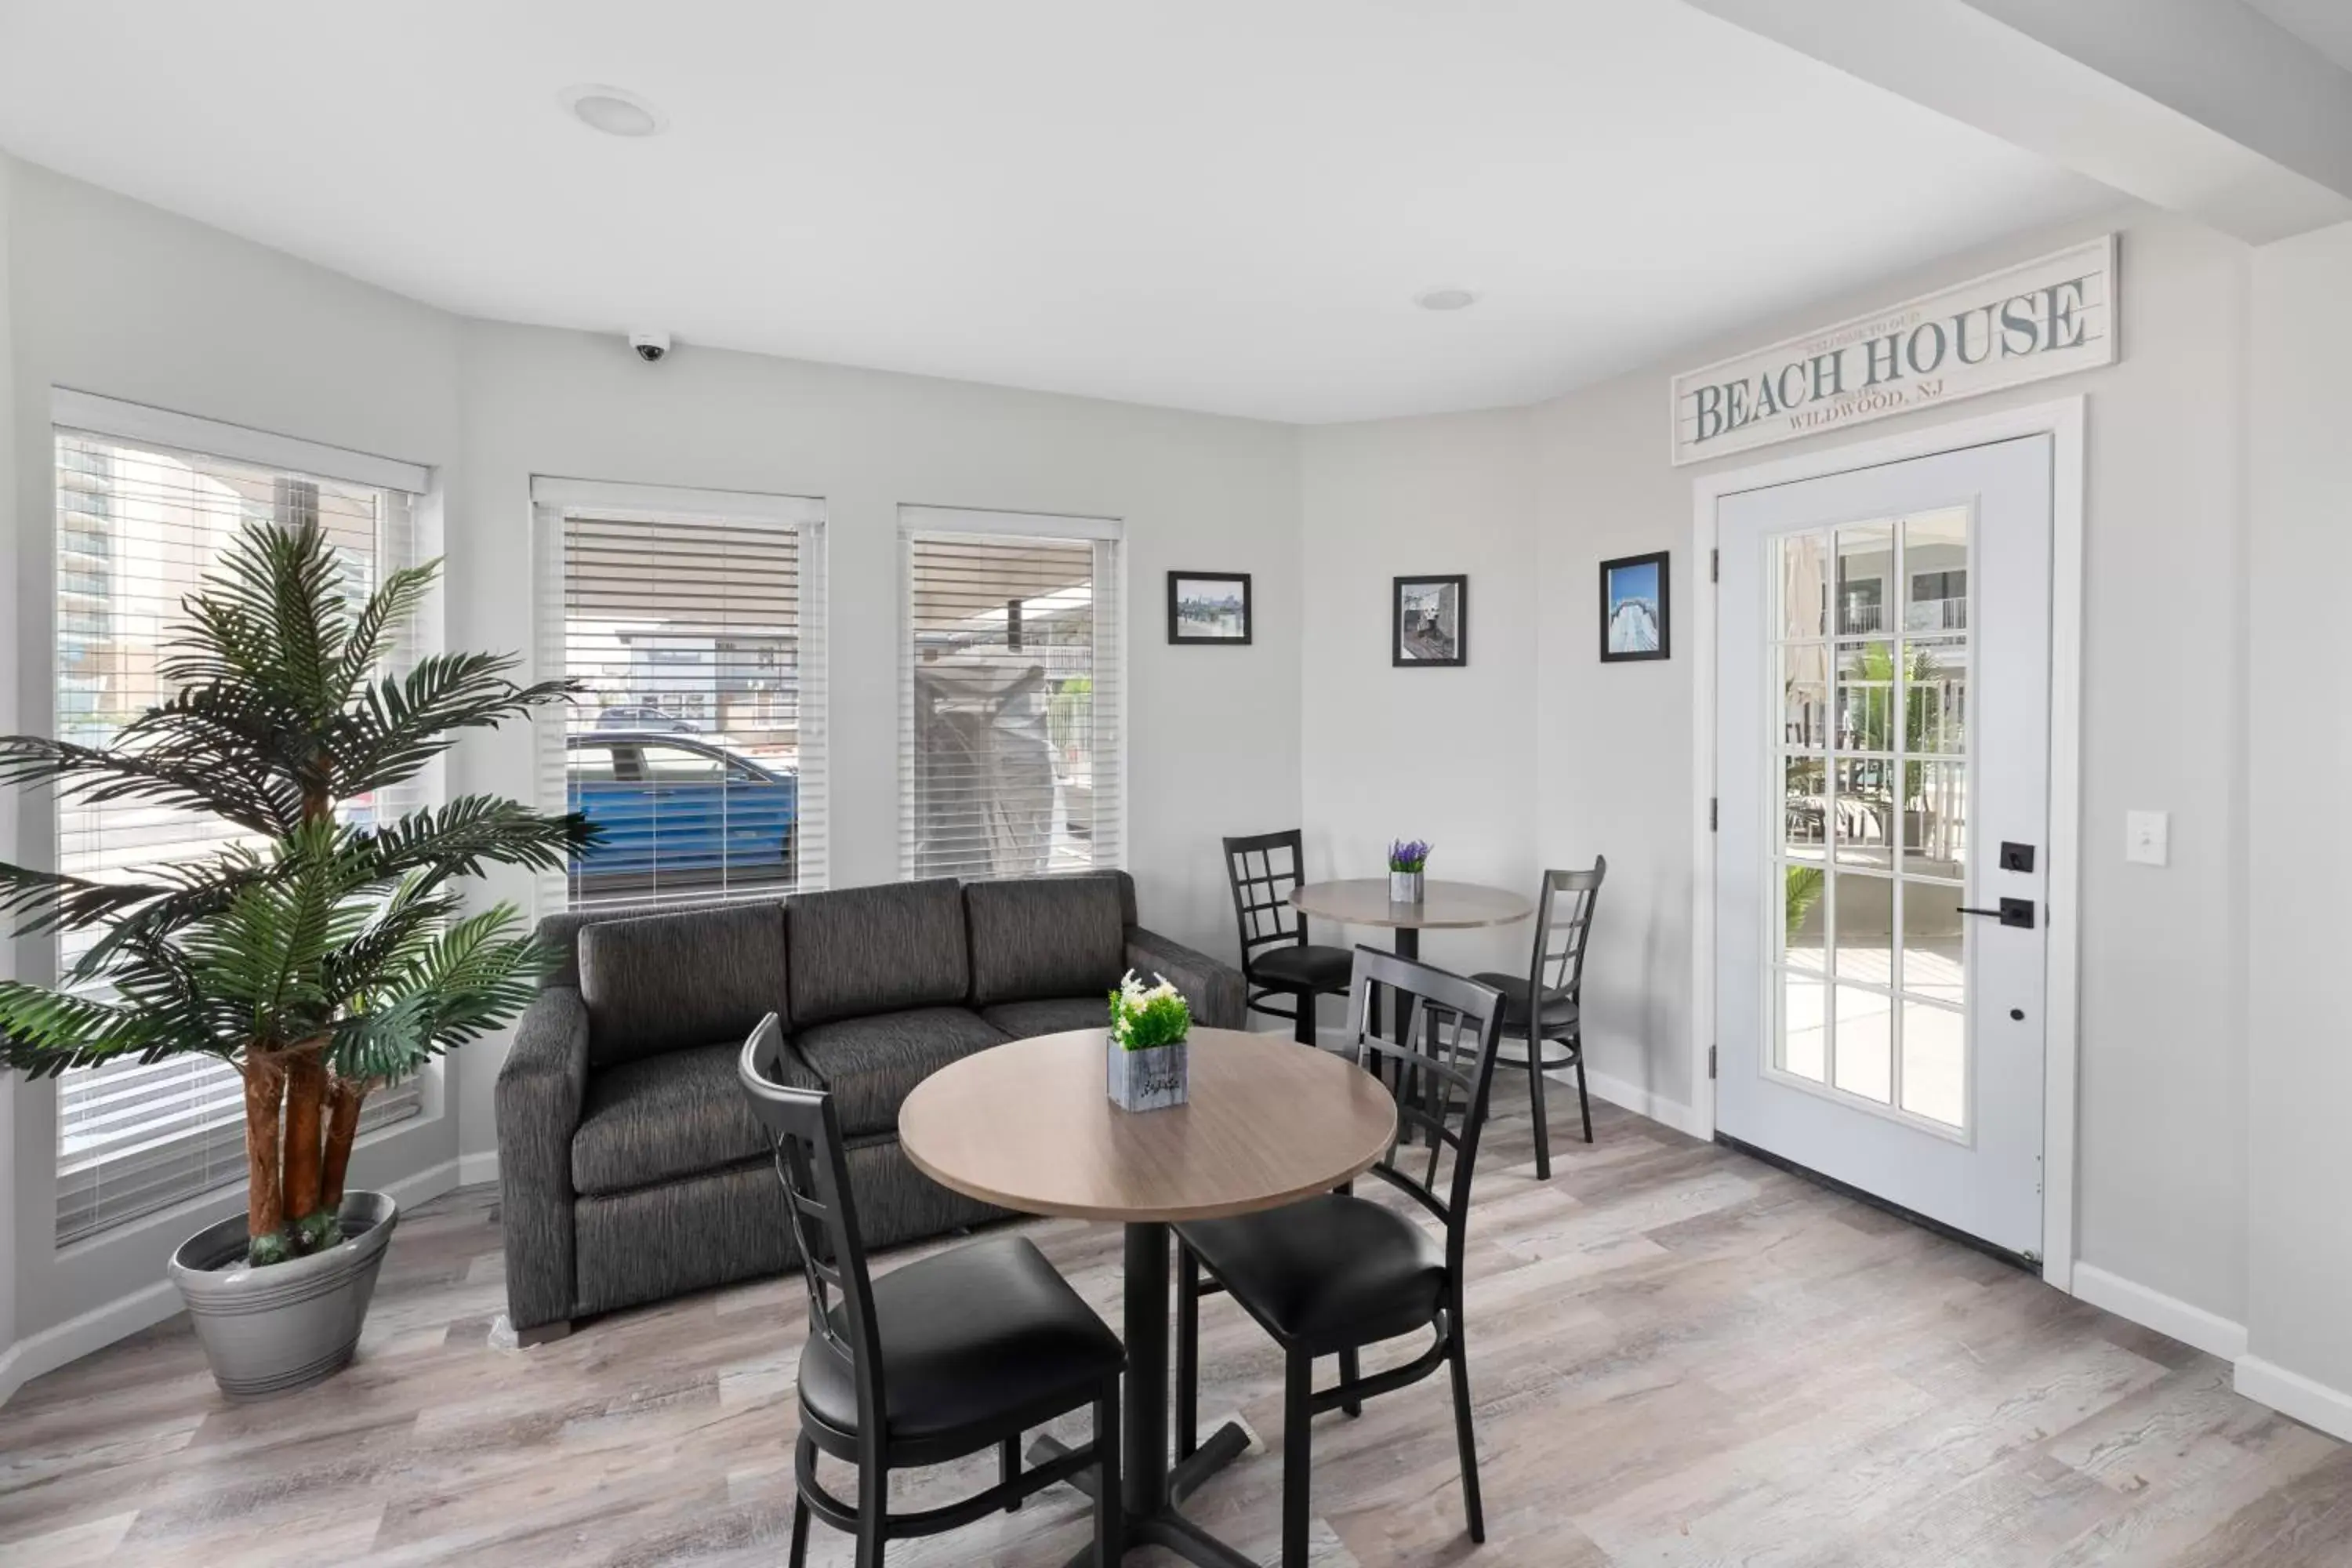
1329, 1270
1307, 965
1559, 1009
988, 1337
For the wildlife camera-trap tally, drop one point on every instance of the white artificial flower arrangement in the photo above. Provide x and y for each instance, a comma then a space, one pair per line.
1145, 1018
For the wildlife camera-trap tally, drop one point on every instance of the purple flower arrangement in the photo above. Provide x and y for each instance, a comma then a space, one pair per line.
1408, 855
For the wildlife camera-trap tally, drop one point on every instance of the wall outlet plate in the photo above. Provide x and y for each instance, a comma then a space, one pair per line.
2147, 838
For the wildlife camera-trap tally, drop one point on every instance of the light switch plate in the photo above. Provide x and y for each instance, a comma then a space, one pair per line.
2147, 838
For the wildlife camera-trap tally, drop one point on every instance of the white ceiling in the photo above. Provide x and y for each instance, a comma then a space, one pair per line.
2325, 24
1223, 204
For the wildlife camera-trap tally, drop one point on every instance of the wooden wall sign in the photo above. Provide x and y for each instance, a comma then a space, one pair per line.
2045, 318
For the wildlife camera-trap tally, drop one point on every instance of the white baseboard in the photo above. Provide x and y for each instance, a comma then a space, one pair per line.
477, 1170
100, 1327
2292, 1394
1632, 1097
2206, 1331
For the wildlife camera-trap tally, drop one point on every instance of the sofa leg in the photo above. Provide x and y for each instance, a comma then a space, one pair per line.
544, 1333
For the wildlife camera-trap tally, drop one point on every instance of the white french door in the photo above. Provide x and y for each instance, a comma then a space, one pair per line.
1883, 746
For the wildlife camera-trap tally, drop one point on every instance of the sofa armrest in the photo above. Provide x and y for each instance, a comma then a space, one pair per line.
540, 1091
1214, 989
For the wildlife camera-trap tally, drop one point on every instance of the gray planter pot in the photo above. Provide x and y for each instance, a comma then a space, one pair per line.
1156, 1080
1405, 886
269, 1331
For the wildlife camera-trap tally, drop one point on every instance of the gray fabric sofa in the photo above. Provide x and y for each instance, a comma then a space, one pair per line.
629, 1167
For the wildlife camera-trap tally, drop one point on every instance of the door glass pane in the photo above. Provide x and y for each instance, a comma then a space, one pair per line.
1804, 586
1866, 567
1862, 918
1935, 695
1865, 1045
1936, 819
1804, 812
1804, 917
1804, 1046
1935, 1063
1865, 697
1865, 813
1932, 939
1805, 696
1935, 572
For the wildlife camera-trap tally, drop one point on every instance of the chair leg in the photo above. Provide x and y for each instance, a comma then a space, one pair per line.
1008, 1467
873, 1514
1536, 1098
797, 1556
1298, 1471
1188, 1352
1303, 1031
1458, 1355
1350, 1370
1583, 1100
1110, 1517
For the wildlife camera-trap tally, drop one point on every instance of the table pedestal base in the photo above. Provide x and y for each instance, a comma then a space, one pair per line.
1151, 1486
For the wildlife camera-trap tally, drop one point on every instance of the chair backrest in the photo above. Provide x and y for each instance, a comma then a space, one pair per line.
1262, 867
1563, 929
805, 1137
1441, 1075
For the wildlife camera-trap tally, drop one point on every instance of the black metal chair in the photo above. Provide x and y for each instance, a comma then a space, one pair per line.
942, 1357
1554, 973
1333, 1274
1277, 958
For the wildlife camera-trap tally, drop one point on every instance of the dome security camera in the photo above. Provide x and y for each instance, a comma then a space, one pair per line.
652, 347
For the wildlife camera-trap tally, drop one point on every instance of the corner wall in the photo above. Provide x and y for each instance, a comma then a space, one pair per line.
2299, 926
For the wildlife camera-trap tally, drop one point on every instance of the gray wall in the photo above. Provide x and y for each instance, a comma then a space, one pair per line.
2163, 1135
2299, 923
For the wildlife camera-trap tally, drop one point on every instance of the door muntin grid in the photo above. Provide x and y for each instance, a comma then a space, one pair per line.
1871, 653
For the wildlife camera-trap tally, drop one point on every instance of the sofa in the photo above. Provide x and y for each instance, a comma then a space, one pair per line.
630, 1168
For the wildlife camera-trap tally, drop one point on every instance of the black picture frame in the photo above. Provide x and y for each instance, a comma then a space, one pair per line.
1427, 648
1622, 644
1180, 638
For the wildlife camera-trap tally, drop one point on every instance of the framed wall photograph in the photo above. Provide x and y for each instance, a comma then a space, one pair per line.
1208, 608
1635, 611
1430, 620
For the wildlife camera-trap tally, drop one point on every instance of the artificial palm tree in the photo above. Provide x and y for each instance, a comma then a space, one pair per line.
321, 953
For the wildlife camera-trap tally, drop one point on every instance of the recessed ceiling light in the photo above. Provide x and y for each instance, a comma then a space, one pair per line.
1446, 298
614, 110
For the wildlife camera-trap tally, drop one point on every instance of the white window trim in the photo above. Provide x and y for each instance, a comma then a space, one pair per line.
1110, 643
552, 498
124, 421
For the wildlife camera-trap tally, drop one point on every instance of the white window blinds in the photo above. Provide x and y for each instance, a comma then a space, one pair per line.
693, 619
1010, 735
139, 524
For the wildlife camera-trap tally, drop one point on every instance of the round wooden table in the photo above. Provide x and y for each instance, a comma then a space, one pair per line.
1028, 1126
1445, 906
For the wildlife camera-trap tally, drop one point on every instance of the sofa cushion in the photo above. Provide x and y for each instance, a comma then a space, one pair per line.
872, 1064
876, 950
1051, 1015
1044, 936
661, 1118
655, 984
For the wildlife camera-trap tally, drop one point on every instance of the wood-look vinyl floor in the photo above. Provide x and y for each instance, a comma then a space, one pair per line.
1678, 1356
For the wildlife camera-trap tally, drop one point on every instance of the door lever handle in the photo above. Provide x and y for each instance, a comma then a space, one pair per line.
2014, 912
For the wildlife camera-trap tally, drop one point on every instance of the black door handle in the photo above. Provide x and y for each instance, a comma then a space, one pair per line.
2016, 913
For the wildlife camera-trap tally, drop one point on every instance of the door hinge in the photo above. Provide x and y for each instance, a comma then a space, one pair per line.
1714, 565
1714, 811
1710, 1061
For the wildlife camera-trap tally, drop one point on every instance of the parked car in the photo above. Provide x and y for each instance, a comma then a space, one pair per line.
647, 718
677, 810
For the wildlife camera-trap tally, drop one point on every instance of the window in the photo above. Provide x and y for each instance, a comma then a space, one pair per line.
1011, 746
140, 521
693, 620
